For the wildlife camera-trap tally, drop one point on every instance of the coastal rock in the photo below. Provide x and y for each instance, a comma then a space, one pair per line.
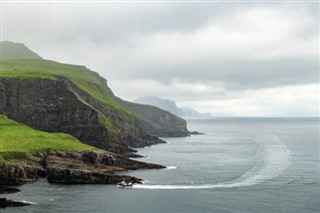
19, 173
60, 106
49, 105
157, 121
196, 133
8, 190
10, 203
71, 167
91, 167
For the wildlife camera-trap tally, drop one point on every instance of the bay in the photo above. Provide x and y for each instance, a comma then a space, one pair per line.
238, 165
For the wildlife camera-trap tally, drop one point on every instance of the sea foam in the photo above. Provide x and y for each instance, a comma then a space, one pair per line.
271, 160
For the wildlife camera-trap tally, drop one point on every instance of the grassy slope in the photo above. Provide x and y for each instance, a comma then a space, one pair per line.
16, 138
85, 79
11, 50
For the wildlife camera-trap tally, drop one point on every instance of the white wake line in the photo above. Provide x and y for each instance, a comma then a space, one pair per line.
272, 160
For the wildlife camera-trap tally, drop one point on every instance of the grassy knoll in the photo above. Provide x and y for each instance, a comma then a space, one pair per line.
16, 138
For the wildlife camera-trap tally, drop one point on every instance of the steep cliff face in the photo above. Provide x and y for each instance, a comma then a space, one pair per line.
49, 105
158, 122
62, 98
60, 106
134, 134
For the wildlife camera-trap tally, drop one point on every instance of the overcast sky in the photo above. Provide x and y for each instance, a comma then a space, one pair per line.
235, 59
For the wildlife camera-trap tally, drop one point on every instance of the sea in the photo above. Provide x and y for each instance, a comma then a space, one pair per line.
238, 165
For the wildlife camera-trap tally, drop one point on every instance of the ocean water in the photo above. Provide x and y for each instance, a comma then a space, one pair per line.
238, 165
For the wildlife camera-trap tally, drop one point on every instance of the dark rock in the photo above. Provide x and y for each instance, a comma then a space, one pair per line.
8, 190
196, 133
17, 174
10, 203
60, 106
157, 121
78, 167
70, 167
55, 106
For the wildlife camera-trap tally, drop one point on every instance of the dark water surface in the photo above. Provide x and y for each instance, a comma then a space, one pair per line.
239, 165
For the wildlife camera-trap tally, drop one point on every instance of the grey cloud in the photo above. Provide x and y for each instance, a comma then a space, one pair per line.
237, 74
205, 43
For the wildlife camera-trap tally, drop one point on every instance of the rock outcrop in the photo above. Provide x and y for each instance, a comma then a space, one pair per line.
157, 121
10, 203
62, 98
57, 106
71, 167
8, 190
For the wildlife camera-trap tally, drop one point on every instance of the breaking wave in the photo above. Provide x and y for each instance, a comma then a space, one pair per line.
272, 159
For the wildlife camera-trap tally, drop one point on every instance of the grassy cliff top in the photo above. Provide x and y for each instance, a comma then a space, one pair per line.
47, 69
87, 80
19, 138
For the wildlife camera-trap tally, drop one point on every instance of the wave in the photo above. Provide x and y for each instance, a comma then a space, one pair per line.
28, 202
171, 167
272, 160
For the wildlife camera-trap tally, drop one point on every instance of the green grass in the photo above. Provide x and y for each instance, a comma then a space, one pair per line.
98, 94
17, 139
44, 68
85, 79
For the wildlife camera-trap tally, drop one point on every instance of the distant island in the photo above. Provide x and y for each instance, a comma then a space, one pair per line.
62, 122
170, 106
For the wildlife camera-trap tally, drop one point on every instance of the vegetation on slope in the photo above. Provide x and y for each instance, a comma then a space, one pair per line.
18, 139
85, 79
11, 50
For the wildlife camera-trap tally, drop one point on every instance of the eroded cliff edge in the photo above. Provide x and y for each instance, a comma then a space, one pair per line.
63, 98
97, 167
59, 105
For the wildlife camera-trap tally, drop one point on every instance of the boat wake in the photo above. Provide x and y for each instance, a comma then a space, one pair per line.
272, 159
171, 167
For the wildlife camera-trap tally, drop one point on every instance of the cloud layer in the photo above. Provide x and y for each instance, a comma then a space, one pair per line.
226, 58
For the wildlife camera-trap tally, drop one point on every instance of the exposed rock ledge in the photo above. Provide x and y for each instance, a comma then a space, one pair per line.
10, 203
8, 190
95, 167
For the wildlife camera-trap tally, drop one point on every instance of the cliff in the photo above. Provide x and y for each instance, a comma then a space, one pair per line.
157, 121
71, 127
70, 167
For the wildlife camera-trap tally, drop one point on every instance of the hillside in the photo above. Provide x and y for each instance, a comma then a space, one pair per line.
19, 138
160, 122
164, 104
11, 50
169, 106
61, 98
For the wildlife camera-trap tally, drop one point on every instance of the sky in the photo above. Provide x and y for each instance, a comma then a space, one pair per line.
248, 58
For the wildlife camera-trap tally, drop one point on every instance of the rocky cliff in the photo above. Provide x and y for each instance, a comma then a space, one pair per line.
61, 98
157, 121
60, 106
70, 167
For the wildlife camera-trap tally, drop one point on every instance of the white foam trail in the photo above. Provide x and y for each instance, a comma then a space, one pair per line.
272, 160
28, 202
171, 167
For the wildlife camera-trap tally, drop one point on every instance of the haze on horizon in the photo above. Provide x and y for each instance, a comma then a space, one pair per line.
229, 59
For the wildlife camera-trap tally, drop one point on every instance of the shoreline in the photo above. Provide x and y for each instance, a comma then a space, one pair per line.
4, 202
